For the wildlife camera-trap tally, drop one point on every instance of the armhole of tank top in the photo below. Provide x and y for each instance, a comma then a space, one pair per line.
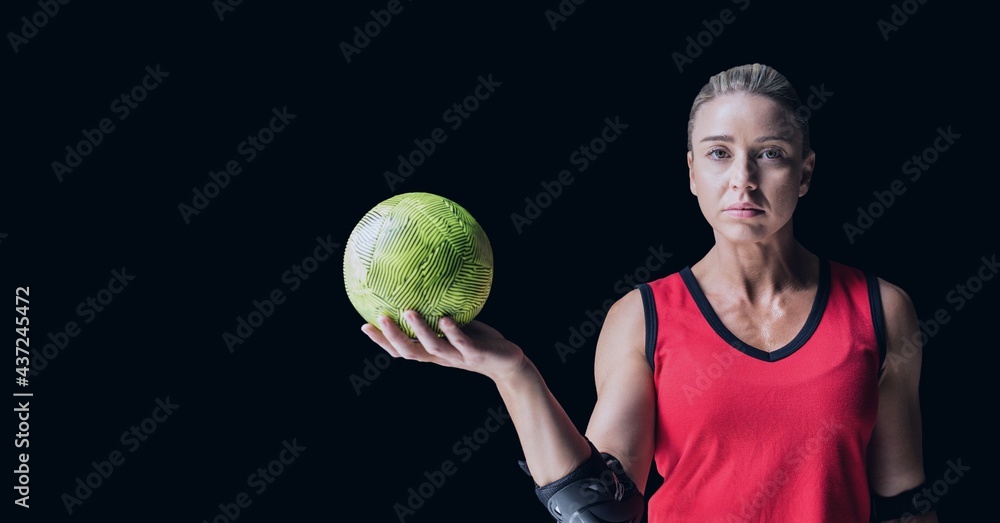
649, 309
878, 316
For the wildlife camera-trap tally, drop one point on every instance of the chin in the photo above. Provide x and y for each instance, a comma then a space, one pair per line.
743, 232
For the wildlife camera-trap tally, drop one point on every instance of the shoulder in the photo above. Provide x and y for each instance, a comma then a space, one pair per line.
900, 316
902, 333
624, 330
631, 325
893, 312
626, 316
896, 303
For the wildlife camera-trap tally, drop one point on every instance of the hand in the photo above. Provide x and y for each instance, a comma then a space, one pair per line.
477, 347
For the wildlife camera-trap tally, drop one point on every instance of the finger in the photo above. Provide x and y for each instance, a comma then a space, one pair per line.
460, 340
403, 344
429, 339
375, 335
399, 341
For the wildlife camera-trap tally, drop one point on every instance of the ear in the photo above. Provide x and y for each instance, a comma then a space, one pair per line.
808, 164
690, 160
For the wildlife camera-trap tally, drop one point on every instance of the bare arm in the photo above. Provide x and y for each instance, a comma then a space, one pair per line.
552, 445
623, 420
895, 451
622, 423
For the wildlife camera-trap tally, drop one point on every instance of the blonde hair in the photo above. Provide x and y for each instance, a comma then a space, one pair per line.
756, 79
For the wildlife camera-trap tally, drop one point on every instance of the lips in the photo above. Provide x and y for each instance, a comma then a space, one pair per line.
743, 206
744, 210
744, 213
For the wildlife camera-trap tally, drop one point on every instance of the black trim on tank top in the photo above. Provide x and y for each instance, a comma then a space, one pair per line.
878, 316
812, 321
649, 307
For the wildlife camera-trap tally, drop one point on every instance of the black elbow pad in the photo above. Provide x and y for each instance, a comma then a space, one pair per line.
904, 505
598, 491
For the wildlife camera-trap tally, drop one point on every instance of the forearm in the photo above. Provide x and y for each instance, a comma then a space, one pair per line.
552, 445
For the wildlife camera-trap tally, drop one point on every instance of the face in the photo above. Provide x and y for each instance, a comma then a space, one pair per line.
747, 152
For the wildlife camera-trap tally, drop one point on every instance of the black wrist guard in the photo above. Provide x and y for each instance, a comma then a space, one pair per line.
907, 503
598, 491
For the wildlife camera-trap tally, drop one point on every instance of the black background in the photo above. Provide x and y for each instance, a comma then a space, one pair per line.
162, 336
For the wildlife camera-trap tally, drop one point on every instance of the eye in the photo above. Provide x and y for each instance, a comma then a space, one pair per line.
718, 154
772, 154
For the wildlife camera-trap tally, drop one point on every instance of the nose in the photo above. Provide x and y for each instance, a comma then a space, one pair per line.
743, 174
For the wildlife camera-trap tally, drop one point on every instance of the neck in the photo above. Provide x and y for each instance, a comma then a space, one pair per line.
759, 271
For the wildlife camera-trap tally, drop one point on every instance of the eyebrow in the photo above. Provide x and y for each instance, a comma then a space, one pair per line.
728, 138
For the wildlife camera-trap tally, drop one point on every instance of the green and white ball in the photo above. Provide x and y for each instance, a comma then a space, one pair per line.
418, 251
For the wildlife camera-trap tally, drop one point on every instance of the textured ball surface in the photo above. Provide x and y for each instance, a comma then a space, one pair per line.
418, 251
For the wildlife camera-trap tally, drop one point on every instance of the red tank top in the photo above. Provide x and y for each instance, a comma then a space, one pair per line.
743, 435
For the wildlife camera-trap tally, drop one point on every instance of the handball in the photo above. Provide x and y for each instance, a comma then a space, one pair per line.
418, 251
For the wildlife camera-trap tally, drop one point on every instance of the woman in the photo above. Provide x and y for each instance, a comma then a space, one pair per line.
755, 377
